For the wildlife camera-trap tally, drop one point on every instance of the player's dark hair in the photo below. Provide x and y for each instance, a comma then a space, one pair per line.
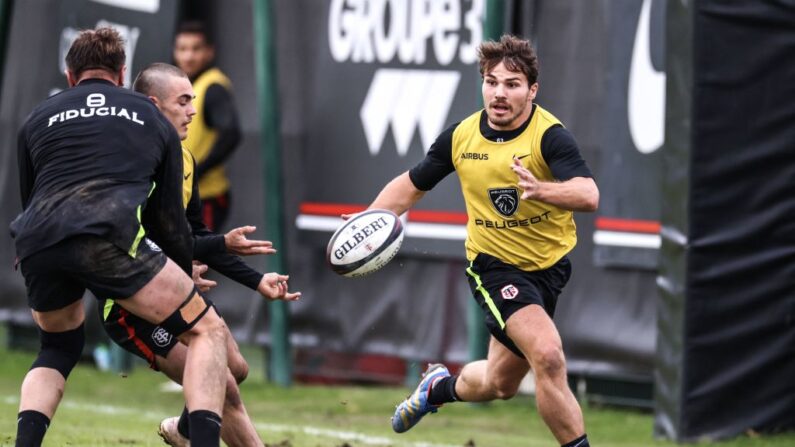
149, 80
195, 27
96, 49
517, 54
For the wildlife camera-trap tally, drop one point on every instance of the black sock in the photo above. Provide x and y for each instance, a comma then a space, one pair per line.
183, 426
443, 391
582, 441
31, 426
205, 429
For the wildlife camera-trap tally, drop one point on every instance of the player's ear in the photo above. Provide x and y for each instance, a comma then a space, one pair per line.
154, 100
70, 78
120, 79
533, 91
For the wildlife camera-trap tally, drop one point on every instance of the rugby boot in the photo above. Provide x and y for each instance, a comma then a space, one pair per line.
409, 412
171, 436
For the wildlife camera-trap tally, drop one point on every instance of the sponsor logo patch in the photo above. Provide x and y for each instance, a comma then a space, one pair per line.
152, 245
504, 200
474, 156
509, 292
519, 157
161, 337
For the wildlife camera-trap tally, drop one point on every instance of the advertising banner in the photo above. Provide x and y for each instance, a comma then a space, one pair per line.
377, 82
41, 33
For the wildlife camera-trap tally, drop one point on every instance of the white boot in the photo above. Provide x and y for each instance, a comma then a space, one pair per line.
168, 431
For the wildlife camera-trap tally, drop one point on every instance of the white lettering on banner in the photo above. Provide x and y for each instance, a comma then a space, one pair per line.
646, 96
406, 99
380, 30
445, 40
150, 6
473, 20
403, 31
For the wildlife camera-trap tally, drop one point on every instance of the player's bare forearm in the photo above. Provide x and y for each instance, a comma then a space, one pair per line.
577, 194
398, 195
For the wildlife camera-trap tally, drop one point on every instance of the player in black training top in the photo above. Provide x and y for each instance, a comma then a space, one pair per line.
170, 90
100, 171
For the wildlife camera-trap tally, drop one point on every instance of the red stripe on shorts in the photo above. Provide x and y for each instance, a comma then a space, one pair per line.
131, 335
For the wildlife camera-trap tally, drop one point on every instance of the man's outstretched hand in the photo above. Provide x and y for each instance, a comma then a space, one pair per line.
274, 286
237, 243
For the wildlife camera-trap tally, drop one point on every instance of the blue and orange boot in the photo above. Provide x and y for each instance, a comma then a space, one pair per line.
409, 412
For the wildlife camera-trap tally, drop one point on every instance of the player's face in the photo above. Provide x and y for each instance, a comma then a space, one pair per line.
177, 104
507, 97
192, 53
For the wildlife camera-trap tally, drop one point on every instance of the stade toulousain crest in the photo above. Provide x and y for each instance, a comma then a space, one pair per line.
161, 337
504, 200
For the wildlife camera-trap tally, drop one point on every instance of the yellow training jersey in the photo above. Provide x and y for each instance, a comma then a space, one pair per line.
529, 234
187, 176
201, 138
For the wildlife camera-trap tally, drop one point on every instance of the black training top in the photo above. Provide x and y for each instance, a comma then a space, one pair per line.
88, 159
210, 248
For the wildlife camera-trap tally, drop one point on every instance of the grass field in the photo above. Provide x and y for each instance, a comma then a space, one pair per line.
106, 409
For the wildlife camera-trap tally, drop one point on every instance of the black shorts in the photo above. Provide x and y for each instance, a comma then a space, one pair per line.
59, 275
134, 334
502, 289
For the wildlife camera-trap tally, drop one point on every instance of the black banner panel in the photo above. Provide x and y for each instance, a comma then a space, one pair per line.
627, 226
672, 277
738, 346
740, 317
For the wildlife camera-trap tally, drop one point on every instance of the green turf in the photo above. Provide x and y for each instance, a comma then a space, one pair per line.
105, 409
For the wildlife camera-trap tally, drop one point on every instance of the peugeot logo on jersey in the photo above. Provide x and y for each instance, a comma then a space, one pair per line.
505, 200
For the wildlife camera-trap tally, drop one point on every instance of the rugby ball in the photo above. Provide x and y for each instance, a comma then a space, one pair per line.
365, 243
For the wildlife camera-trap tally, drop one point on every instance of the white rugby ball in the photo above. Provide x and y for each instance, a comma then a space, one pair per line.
365, 243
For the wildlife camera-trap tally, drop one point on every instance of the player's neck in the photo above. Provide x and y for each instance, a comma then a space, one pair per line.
99, 74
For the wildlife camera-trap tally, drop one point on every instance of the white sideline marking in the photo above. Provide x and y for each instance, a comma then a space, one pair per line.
315, 431
345, 435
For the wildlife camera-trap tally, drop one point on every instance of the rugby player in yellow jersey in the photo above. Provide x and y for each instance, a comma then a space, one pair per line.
522, 176
170, 90
215, 132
